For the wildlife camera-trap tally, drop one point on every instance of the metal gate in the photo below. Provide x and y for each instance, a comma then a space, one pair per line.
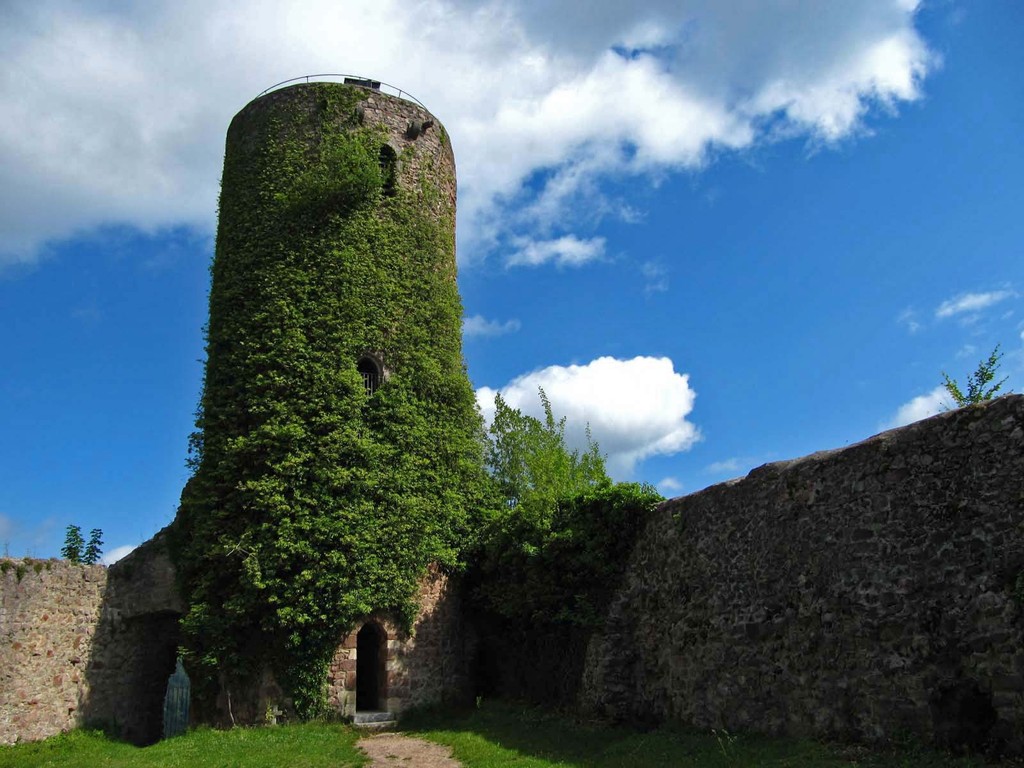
176, 702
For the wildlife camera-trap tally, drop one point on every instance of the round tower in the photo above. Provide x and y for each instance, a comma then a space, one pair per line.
336, 454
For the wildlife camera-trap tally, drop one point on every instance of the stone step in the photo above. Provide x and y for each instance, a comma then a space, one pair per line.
374, 720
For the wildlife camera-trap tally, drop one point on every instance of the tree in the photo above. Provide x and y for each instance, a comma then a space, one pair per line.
978, 389
558, 546
73, 543
93, 550
531, 463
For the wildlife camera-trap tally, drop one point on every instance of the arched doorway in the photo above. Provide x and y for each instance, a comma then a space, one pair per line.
371, 668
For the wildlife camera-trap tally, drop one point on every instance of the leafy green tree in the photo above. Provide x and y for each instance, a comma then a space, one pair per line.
73, 543
979, 383
94, 549
532, 465
561, 538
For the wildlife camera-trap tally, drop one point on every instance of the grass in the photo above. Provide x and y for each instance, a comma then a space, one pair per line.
497, 734
294, 746
505, 735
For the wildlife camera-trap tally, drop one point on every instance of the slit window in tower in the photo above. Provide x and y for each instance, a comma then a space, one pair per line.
388, 170
370, 372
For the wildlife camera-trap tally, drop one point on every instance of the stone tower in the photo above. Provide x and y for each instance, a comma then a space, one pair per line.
336, 454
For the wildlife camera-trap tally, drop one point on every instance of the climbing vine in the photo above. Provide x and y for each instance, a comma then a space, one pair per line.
314, 503
561, 570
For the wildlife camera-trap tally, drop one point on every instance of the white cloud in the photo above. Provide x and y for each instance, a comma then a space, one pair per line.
635, 408
921, 407
25, 539
117, 553
655, 278
566, 251
544, 100
908, 317
669, 485
723, 467
478, 325
971, 302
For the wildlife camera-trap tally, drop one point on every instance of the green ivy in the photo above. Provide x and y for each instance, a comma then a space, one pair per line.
312, 504
561, 570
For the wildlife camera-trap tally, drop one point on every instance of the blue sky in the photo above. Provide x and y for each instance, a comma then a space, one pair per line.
721, 233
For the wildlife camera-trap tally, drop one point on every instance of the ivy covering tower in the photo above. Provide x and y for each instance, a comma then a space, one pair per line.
337, 450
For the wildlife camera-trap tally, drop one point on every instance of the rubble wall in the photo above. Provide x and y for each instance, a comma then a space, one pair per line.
864, 593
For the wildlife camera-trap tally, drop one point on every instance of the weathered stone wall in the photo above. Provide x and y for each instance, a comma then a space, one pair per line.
864, 593
136, 644
431, 665
86, 645
48, 615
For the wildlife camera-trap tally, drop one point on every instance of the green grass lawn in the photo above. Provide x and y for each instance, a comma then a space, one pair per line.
497, 734
501, 734
294, 746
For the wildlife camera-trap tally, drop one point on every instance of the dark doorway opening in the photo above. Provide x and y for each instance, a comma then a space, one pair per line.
176, 702
371, 668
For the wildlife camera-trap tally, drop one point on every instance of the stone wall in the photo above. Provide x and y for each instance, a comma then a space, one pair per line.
429, 666
86, 645
864, 593
49, 610
136, 645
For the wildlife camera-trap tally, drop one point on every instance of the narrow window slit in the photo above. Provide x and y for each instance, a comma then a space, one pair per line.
370, 372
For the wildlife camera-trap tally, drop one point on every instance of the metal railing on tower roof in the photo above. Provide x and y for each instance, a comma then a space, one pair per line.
357, 80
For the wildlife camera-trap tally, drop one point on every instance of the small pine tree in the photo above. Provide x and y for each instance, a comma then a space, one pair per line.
94, 549
73, 543
978, 389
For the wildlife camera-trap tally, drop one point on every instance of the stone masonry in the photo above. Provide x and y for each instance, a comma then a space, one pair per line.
86, 645
864, 593
431, 665
49, 610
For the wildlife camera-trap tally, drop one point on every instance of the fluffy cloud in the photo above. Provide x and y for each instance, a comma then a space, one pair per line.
117, 553
669, 486
722, 467
478, 325
921, 407
635, 408
544, 101
971, 302
567, 251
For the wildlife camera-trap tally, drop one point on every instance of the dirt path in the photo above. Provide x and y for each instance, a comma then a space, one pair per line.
390, 749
